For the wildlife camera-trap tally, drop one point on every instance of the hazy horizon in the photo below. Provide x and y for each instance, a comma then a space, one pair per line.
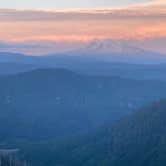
83, 82
143, 22
135, 22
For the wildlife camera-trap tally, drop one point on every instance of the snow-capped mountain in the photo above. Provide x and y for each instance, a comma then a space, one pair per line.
111, 46
119, 51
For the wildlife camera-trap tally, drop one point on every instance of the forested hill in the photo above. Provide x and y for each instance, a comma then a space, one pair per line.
67, 103
139, 140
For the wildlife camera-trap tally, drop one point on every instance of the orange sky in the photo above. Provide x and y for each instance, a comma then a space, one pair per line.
137, 22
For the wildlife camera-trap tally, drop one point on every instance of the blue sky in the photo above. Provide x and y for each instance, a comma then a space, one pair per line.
66, 4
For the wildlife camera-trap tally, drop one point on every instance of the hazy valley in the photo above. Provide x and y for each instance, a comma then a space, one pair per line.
82, 83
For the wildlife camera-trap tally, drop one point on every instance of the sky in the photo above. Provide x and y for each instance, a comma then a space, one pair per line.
67, 4
23, 21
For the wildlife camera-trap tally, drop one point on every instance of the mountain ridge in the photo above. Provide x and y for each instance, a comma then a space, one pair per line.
138, 139
57, 95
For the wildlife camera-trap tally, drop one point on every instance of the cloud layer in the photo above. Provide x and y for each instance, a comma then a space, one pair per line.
135, 22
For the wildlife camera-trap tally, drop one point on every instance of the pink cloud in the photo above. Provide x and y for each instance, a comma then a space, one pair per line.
136, 22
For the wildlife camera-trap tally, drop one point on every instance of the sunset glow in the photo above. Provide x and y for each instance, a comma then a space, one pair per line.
137, 22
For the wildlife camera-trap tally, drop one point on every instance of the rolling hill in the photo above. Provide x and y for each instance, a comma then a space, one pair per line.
12, 63
66, 102
15, 68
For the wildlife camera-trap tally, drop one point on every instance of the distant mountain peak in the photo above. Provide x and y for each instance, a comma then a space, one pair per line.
119, 51
109, 46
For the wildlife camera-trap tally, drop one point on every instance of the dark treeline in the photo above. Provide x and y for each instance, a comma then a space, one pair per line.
6, 160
